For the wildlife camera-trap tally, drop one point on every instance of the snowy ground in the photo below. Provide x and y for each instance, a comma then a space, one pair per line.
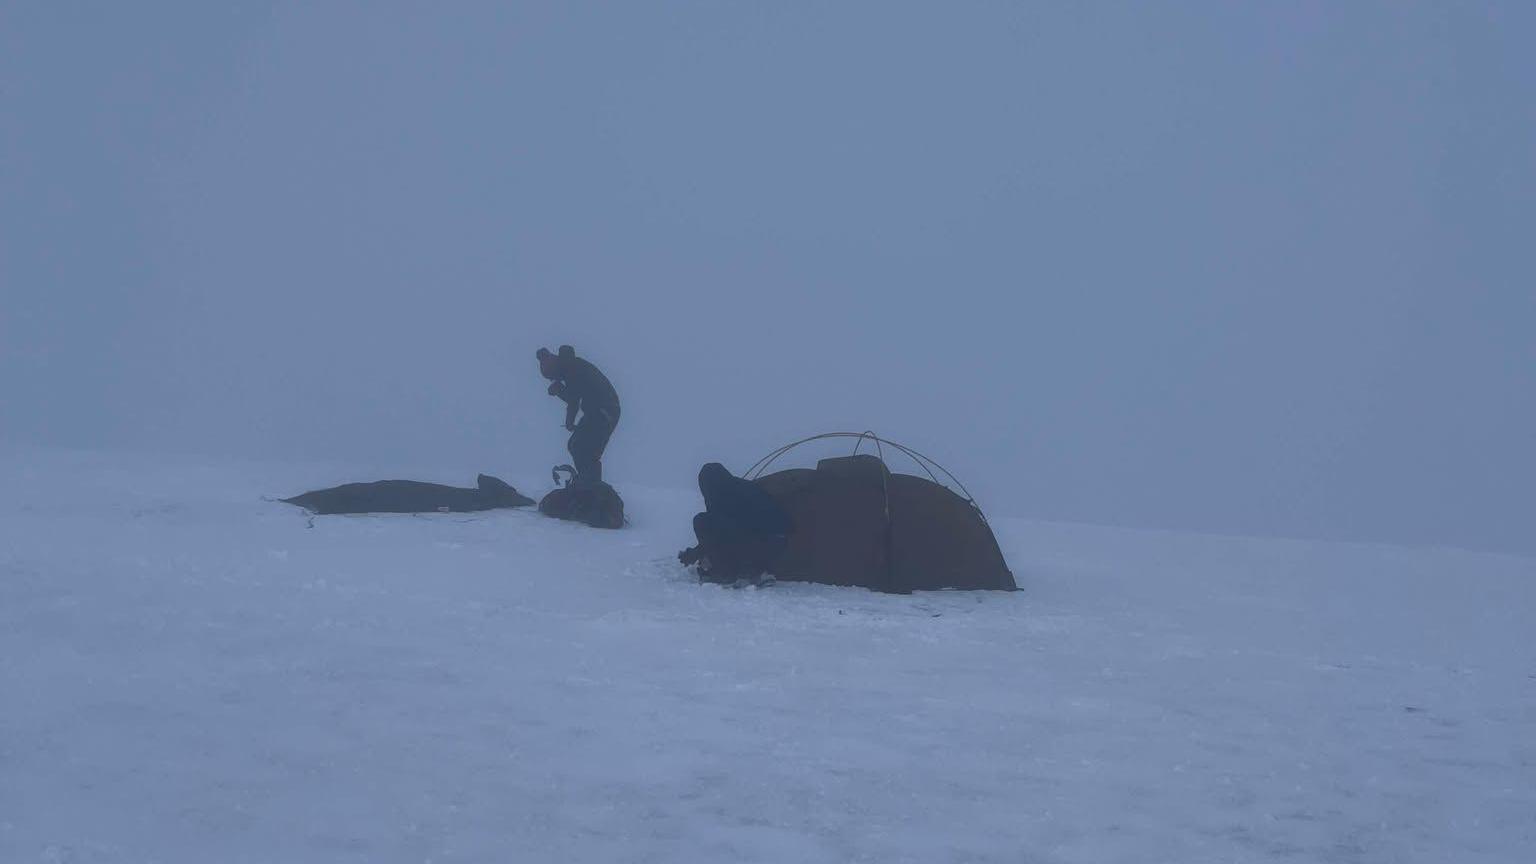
189, 673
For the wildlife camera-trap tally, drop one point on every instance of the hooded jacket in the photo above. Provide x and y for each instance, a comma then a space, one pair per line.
581, 385
742, 501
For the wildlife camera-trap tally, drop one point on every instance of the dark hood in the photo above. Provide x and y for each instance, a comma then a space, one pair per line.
715, 482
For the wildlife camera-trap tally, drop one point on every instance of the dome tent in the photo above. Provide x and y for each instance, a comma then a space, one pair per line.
858, 523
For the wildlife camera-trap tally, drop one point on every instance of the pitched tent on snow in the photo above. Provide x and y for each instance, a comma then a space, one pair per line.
858, 523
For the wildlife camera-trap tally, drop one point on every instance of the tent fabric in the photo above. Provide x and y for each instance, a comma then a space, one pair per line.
858, 524
411, 496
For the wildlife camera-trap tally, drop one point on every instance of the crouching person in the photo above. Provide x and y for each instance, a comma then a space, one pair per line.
741, 533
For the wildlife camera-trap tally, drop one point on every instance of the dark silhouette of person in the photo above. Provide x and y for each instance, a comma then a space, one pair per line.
741, 532
588, 392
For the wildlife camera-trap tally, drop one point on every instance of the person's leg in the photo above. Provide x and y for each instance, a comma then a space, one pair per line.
726, 545
588, 443
693, 554
704, 530
584, 451
736, 549
603, 424
714, 552
759, 555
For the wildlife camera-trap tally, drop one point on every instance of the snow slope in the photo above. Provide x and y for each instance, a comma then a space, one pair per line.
189, 673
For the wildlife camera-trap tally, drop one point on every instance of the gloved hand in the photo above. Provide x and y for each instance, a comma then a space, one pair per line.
689, 555
570, 427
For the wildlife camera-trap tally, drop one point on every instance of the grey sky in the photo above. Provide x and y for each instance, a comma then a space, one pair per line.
1225, 266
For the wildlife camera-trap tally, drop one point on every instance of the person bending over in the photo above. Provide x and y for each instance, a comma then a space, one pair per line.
741, 532
587, 392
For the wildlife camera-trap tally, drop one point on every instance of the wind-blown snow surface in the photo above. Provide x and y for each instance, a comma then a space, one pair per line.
189, 673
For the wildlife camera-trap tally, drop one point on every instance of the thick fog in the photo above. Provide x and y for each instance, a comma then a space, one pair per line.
1259, 268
